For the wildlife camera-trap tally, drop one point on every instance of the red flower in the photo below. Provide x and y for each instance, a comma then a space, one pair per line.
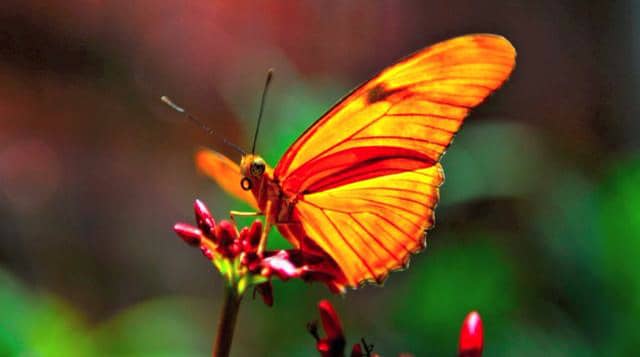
332, 345
471, 339
236, 254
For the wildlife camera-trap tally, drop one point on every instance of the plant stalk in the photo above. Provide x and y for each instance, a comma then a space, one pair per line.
227, 322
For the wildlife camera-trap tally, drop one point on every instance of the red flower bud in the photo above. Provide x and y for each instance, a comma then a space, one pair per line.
206, 252
225, 236
235, 248
250, 237
324, 348
243, 237
333, 345
191, 235
356, 350
203, 217
252, 261
330, 321
255, 233
471, 339
266, 291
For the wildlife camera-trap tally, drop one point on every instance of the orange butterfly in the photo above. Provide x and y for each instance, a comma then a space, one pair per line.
361, 183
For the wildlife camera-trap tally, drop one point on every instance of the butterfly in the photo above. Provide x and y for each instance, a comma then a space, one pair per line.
361, 183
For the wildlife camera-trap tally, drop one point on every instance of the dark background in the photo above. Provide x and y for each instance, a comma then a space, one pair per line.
538, 227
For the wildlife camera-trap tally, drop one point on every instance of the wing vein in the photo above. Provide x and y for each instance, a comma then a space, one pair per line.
364, 262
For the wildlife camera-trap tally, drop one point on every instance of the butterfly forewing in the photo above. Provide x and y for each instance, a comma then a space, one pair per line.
366, 174
417, 104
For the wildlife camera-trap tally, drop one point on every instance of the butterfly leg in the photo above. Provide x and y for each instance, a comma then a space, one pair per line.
234, 214
244, 214
266, 229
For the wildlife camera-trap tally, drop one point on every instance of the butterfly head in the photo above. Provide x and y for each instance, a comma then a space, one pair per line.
252, 168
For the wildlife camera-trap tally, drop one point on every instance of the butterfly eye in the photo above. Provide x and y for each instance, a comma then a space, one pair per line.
257, 168
245, 183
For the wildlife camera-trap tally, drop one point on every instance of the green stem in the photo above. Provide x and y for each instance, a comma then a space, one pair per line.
227, 322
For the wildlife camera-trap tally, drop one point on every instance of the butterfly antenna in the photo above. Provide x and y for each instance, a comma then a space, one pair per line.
264, 95
202, 125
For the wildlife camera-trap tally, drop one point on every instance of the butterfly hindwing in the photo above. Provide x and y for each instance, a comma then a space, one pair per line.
371, 227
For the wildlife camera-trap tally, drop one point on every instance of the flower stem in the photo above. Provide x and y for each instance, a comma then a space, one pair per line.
227, 322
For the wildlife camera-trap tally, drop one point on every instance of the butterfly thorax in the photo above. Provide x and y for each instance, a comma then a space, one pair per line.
258, 177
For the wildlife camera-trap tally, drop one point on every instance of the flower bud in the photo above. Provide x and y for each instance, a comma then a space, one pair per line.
206, 252
191, 235
471, 339
266, 291
235, 248
330, 321
255, 233
356, 350
334, 343
243, 237
203, 217
324, 348
253, 262
226, 235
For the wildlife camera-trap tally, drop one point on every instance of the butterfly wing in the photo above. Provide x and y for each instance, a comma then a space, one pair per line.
371, 227
225, 172
366, 174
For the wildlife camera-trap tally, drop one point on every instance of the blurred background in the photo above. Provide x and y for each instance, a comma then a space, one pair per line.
538, 227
